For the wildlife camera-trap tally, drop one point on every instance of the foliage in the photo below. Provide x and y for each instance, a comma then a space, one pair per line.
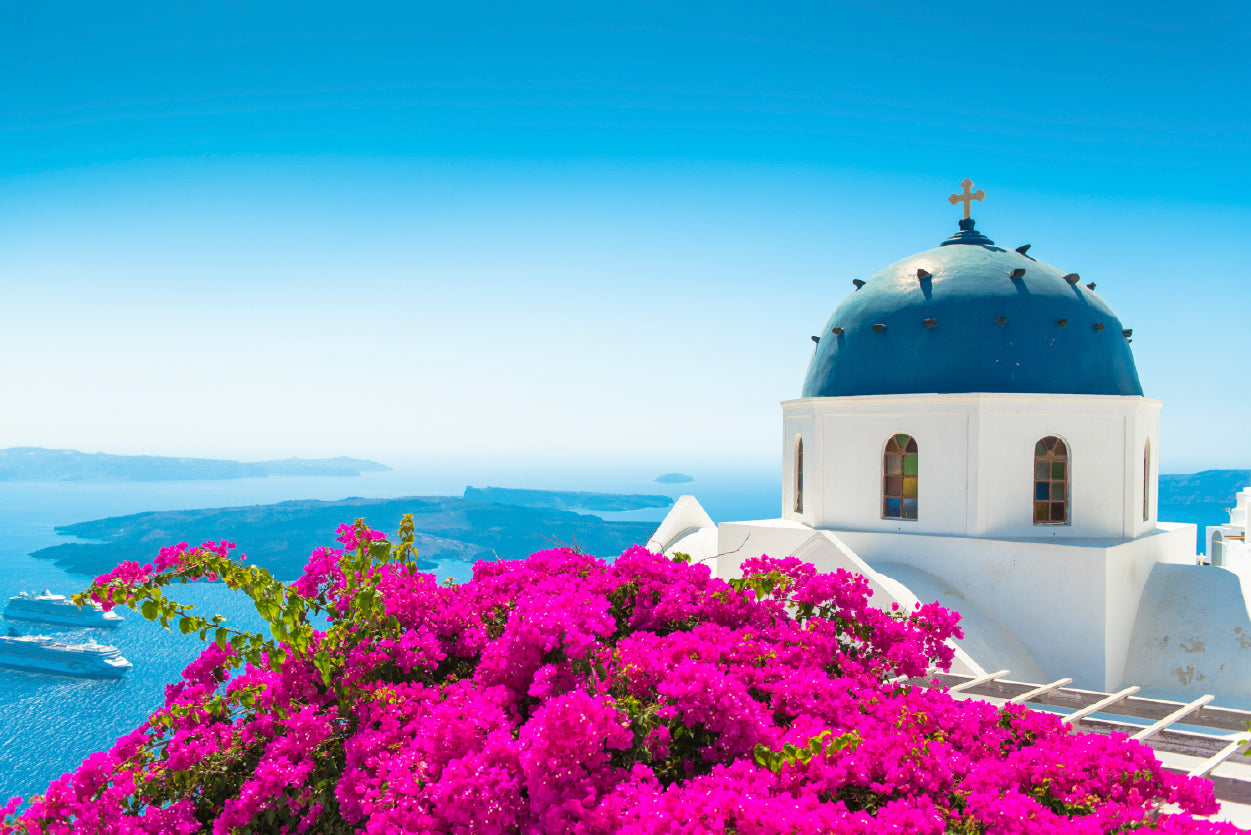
562, 694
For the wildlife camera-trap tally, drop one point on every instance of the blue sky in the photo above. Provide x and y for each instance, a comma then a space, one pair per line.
580, 235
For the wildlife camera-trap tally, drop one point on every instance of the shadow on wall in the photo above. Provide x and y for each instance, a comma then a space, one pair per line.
1192, 634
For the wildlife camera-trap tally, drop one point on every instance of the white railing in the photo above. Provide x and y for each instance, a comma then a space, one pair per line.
1206, 735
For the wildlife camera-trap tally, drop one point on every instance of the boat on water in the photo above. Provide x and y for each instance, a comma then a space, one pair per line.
59, 610
39, 653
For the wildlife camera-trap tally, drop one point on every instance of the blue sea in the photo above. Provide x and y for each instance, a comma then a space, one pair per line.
50, 723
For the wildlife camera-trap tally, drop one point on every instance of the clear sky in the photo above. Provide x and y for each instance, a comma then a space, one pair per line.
584, 234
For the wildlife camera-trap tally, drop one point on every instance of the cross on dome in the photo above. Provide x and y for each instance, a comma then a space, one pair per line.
967, 197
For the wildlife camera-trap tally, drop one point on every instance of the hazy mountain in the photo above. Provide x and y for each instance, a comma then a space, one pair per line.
37, 464
1219, 486
565, 500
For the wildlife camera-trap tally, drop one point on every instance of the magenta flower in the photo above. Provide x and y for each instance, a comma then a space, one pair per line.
563, 694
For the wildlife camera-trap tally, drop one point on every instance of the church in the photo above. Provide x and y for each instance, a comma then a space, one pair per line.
972, 430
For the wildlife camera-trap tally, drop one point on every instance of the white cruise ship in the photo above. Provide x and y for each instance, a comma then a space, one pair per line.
59, 610
39, 653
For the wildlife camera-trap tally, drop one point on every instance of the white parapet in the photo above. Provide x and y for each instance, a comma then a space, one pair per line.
687, 528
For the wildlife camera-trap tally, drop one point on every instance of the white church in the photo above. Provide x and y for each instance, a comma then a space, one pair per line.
972, 430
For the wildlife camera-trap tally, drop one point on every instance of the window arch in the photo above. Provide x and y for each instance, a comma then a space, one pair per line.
899, 478
1217, 557
799, 474
1051, 482
1146, 481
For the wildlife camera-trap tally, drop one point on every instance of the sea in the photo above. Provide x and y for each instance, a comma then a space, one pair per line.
49, 723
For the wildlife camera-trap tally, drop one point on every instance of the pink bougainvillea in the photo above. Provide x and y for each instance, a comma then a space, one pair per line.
564, 695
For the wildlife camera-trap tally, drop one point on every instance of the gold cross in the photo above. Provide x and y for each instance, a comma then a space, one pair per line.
968, 197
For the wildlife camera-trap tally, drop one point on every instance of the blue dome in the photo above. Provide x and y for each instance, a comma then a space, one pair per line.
969, 316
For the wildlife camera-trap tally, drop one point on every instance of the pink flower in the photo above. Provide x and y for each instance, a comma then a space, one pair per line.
563, 694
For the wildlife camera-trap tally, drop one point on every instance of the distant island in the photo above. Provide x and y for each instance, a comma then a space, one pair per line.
565, 500
38, 464
1208, 486
280, 537
674, 478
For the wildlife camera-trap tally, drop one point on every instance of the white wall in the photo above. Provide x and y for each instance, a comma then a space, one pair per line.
685, 517
1128, 569
1096, 452
976, 462
1193, 634
1071, 603
801, 425
738, 541
851, 470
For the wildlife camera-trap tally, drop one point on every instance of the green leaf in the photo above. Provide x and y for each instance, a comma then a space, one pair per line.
149, 609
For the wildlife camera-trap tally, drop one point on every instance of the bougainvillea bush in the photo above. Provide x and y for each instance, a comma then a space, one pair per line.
562, 694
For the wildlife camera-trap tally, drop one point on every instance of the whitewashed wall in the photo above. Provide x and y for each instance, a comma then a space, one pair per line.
1071, 604
976, 462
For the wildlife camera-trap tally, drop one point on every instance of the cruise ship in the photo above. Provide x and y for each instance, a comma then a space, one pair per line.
59, 610
39, 653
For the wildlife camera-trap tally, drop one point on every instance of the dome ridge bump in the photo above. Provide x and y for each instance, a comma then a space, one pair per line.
998, 330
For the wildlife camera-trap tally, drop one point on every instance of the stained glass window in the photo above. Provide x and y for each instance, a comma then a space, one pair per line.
1146, 481
799, 475
1051, 482
899, 478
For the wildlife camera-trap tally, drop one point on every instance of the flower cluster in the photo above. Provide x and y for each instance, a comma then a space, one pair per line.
562, 694
168, 559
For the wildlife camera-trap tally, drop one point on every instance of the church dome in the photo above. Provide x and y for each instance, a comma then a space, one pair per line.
969, 316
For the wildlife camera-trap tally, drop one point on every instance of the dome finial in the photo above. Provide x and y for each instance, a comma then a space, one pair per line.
968, 197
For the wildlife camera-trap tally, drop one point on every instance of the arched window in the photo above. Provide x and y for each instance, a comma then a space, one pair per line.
1217, 557
899, 478
1146, 481
799, 474
1051, 482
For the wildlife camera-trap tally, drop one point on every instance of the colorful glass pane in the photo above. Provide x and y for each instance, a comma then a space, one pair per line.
899, 478
1051, 506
